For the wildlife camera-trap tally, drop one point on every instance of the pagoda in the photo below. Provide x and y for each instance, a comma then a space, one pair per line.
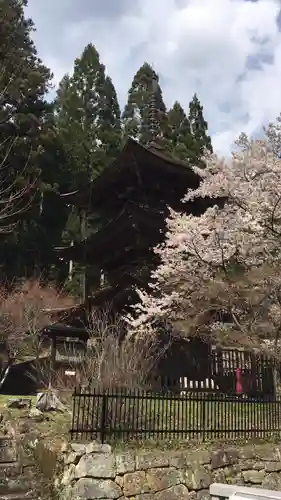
131, 196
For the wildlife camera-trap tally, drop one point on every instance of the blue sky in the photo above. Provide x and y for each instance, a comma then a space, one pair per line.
228, 51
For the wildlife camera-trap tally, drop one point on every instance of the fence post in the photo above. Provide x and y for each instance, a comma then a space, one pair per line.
203, 416
72, 431
103, 417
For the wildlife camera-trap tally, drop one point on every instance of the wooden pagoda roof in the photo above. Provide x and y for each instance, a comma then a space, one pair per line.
133, 157
135, 227
117, 296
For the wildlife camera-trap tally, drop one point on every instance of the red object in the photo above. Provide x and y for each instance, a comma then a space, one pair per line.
238, 384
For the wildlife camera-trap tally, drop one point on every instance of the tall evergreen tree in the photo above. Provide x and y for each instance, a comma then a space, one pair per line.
88, 122
24, 127
199, 126
88, 118
24, 81
46, 224
179, 140
187, 135
135, 117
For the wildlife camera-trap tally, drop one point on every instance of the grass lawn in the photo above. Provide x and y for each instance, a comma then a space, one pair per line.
54, 429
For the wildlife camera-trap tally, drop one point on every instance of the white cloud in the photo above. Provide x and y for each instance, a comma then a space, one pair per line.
198, 46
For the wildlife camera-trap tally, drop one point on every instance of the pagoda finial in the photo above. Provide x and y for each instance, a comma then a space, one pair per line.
153, 120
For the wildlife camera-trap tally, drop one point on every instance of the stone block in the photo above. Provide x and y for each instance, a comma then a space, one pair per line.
220, 459
267, 452
247, 464
19, 403
120, 481
125, 462
272, 481
236, 480
150, 460
77, 447
202, 457
179, 492
96, 466
198, 479
247, 453
232, 455
218, 476
14, 485
94, 489
12, 469
144, 496
68, 475
162, 479
272, 466
178, 461
232, 470
135, 483
72, 458
203, 495
95, 447
253, 476
8, 454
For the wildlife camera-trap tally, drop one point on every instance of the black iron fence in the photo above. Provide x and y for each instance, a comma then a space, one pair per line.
138, 415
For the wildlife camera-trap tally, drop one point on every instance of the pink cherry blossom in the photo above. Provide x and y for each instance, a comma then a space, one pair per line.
228, 258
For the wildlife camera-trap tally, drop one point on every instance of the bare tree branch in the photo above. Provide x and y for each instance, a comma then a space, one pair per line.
24, 312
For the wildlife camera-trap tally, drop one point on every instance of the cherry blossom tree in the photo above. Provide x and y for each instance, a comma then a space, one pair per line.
220, 272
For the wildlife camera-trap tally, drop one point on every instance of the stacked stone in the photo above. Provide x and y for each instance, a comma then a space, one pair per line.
15, 480
93, 471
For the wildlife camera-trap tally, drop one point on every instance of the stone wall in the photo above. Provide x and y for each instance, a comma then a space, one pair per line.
25, 472
94, 471
17, 478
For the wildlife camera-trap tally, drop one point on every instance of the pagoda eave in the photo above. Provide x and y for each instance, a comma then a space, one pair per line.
132, 157
138, 227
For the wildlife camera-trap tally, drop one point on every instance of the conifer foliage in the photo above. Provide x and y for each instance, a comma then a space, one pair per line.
62, 145
198, 127
24, 130
88, 117
187, 135
136, 114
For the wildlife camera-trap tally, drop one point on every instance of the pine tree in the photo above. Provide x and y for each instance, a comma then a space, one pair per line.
135, 117
88, 118
199, 127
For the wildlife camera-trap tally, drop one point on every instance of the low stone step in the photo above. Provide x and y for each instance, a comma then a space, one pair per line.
10, 469
29, 495
6, 441
8, 454
8, 449
22, 484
